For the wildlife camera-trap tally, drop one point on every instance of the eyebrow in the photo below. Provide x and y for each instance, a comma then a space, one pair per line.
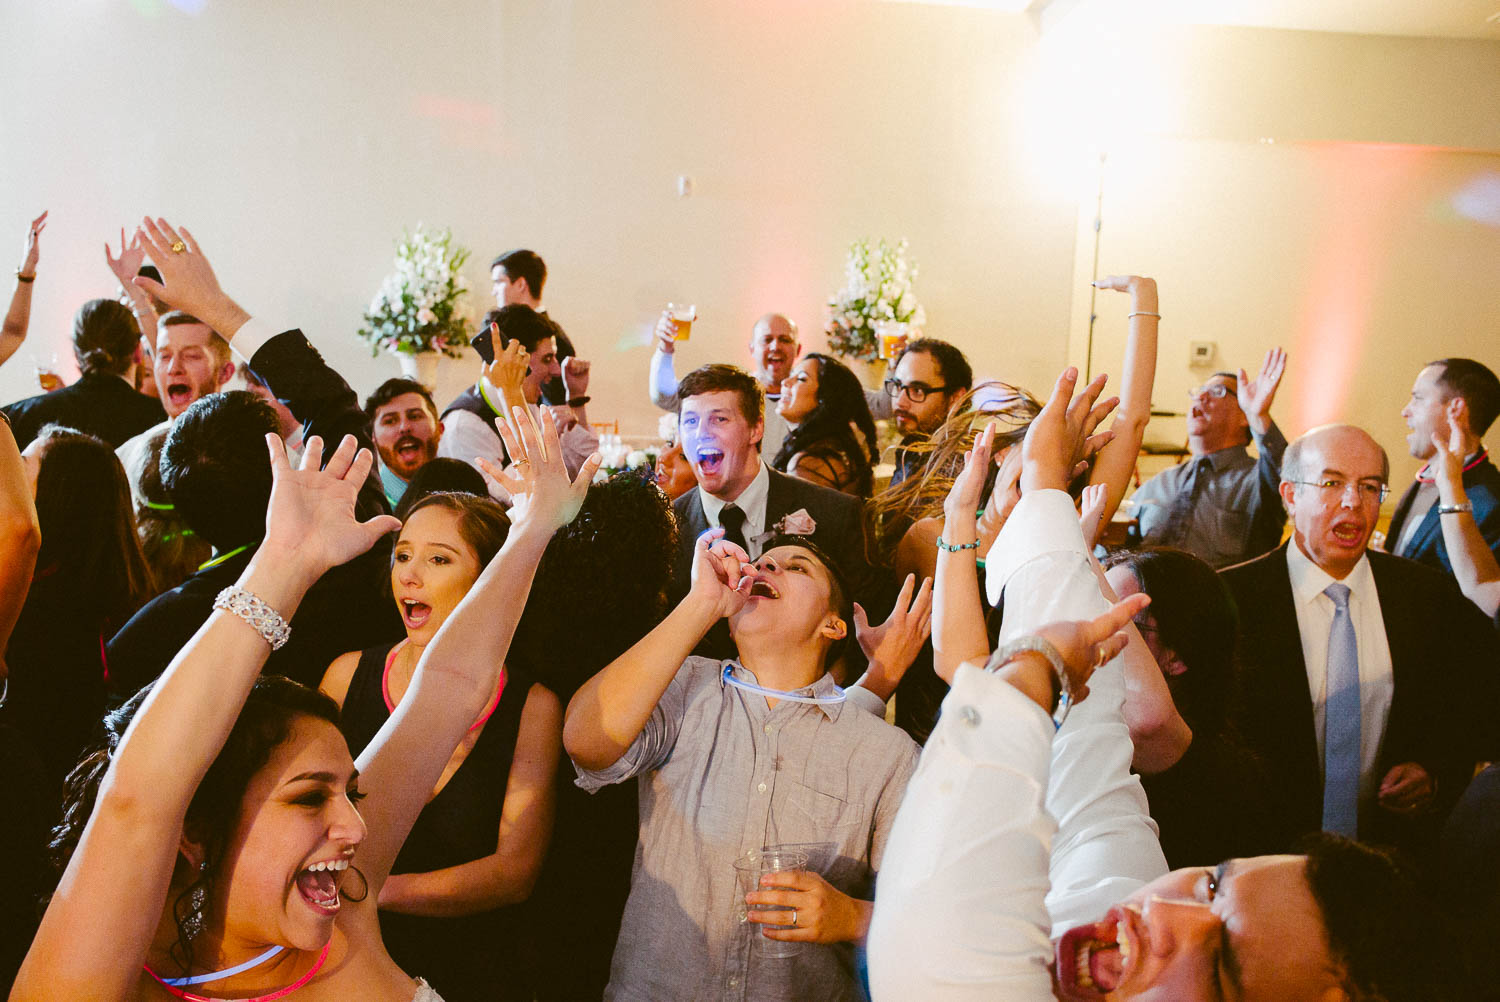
322, 777
1228, 958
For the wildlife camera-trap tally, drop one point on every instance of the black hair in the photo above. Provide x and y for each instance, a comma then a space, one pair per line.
105, 337
1464, 377
1196, 618
524, 264
958, 374
1387, 935
264, 724
716, 377
88, 529
829, 430
393, 388
614, 560
443, 475
840, 598
215, 467
521, 323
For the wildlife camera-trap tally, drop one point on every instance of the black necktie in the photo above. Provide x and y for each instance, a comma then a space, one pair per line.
733, 521
1179, 520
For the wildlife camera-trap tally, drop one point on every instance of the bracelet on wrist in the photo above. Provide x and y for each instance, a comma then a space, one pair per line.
1454, 509
956, 547
578, 401
1142, 313
260, 617
25, 279
1033, 643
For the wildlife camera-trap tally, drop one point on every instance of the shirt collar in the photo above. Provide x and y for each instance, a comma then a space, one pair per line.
752, 500
823, 688
393, 485
1309, 580
1225, 457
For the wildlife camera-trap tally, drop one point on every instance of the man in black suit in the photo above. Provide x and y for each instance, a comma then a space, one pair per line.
104, 401
1366, 676
216, 469
1449, 394
720, 425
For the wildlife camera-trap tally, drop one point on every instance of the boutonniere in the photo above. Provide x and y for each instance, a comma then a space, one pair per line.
798, 523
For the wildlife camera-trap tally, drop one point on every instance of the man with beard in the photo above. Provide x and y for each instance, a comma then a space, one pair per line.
773, 351
191, 361
1221, 506
926, 383
404, 424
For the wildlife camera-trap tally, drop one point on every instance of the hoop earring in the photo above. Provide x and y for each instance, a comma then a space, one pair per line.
364, 887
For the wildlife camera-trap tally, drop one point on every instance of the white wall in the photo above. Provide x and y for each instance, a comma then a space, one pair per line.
297, 140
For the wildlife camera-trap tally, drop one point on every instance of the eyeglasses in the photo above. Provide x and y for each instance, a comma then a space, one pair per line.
1334, 489
916, 391
1215, 391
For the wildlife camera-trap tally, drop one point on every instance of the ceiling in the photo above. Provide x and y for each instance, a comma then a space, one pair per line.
1476, 19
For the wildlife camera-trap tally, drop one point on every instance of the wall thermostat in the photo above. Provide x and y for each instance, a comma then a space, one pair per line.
1202, 353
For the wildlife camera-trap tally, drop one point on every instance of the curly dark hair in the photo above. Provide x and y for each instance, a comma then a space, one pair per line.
601, 584
829, 430
264, 724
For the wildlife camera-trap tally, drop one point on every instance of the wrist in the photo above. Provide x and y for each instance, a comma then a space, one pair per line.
1032, 674
225, 317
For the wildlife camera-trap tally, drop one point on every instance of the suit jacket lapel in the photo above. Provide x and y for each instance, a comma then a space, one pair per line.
1399, 516
778, 499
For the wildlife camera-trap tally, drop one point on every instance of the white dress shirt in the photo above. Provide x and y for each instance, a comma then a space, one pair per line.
467, 436
1377, 683
1009, 833
752, 501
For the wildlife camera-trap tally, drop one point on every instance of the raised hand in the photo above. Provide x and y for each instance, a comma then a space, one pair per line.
1055, 442
310, 520
1255, 395
575, 373
508, 371
537, 479
124, 267
1142, 290
1091, 512
1449, 454
892, 646
719, 573
961, 506
1086, 645
665, 333
188, 280
32, 252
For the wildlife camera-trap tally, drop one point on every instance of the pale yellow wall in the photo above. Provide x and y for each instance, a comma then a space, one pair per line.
298, 139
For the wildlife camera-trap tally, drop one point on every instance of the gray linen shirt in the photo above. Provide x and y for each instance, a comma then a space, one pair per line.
722, 774
1238, 512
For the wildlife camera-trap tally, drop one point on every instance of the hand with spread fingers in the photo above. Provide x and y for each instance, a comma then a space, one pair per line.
125, 267
537, 479
1255, 395
1055, 442
821, 913
310, 521
188, 280
892, 646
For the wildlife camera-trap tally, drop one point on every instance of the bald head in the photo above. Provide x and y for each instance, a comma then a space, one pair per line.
773, 350
1332, 482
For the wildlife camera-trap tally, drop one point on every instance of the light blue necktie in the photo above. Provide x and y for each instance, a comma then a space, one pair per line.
1341, 754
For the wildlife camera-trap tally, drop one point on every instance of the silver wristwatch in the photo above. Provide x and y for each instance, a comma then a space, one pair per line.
1037, 644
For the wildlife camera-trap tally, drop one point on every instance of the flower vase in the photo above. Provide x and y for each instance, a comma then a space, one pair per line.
420, 366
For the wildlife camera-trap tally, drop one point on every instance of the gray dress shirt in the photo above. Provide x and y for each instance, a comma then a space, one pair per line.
1223, 507
722, 774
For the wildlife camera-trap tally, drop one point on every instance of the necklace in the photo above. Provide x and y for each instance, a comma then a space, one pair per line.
795, 697
216, 561
199, 979
280, 993
390, 704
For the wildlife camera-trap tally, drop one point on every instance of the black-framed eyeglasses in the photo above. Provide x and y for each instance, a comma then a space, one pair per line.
916, 391
1334, 489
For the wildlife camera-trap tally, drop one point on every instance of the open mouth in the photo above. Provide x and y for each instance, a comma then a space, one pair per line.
319, 884
414, 613
409, 449
710, 461
179, 394
1348, 533
761, 588
1091, 959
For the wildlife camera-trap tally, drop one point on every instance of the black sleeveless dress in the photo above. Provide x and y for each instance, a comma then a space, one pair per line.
483, 956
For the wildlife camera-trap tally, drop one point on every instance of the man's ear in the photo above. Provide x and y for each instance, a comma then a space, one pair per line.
834, 627
1457, 410
226, 373
1288, 491
758, 432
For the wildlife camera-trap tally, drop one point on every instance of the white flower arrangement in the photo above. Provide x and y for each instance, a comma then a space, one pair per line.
666, 427
877, 298
422, 305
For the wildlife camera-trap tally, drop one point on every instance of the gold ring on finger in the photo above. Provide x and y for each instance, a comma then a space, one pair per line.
1102, 658
178, 247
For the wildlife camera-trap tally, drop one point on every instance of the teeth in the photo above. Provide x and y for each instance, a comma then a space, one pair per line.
1081, 963
1124, 948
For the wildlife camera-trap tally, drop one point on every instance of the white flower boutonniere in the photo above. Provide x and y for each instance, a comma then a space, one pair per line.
798, 523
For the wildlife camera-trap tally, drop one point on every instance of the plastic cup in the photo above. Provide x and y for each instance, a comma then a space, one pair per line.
683, 314
748, 869
890, 345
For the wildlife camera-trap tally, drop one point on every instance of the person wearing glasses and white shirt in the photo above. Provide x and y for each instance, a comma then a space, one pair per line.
1221, 505
1365, 683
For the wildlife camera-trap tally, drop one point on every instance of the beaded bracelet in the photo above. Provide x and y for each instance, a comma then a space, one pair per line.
260, 617
951, 548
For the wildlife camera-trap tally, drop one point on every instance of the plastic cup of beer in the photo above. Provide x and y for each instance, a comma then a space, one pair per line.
890, 344
683, 314
748, 871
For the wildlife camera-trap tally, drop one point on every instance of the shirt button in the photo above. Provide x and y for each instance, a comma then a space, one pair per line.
733, 982
768, 728
969, 715
761, 787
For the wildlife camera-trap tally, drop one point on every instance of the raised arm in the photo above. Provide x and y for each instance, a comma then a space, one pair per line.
460, 669
1473, 561
611, 709
1116, 461
20, 536
125, 268
94, 936
958, 632
663, 380
18, 317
